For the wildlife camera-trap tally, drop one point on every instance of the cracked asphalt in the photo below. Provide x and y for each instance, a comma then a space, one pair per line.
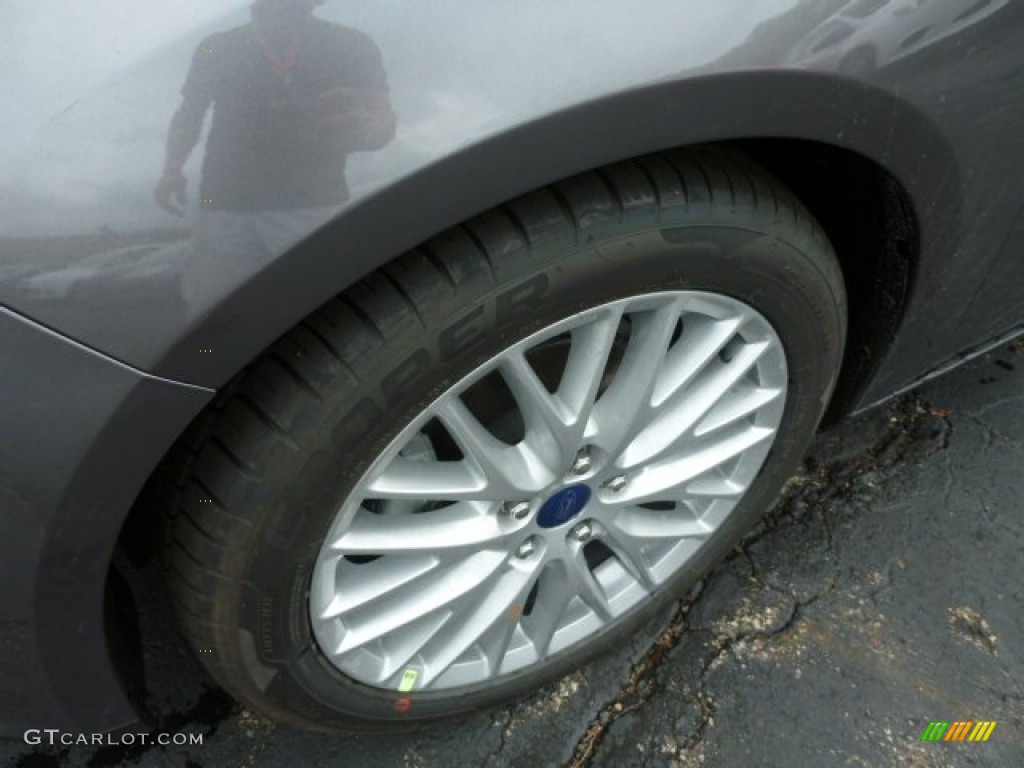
882, 592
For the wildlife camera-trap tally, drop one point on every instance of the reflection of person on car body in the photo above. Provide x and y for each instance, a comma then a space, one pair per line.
292, 95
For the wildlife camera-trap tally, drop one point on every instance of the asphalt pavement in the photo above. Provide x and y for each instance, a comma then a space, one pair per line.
883, 592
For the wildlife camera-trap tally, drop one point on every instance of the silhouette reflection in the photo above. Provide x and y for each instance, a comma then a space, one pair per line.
292, 96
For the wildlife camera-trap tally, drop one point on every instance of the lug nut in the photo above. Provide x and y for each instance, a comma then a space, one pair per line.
583, 532
582, 464
526, 549
517, 510
616, 484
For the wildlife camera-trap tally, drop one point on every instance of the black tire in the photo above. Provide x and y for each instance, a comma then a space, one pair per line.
273, 461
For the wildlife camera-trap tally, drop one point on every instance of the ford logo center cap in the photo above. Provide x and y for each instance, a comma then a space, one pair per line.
563, 506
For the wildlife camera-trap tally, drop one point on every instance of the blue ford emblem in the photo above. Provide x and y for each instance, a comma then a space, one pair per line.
563, 506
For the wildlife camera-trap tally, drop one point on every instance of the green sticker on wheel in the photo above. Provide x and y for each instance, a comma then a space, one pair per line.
408, 680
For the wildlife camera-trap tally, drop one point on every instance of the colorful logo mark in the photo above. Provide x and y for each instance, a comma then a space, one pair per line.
958, 730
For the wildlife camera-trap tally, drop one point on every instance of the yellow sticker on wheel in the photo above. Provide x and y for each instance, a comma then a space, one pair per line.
408, 680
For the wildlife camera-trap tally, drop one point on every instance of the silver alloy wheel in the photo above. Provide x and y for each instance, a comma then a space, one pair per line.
549, 493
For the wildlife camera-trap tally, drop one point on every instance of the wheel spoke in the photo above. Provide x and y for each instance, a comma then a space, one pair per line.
400, 648
628, 549
496, 642
489, 606
672, 423
628, 400
715, 487
416, 600
556, 422
549, 607
549, 425
446, 480
703, 338
460, 526
508, 471
743, 400
690, 404
668, 480
358, 585
633, 526
583, 582
585, 368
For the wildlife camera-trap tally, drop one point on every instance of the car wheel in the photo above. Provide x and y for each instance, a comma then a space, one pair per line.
504, 451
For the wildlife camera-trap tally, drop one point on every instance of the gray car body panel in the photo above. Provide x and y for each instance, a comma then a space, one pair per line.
84, 434
490, 104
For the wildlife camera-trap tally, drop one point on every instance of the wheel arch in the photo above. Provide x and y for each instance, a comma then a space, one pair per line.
876, 235
812, 130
